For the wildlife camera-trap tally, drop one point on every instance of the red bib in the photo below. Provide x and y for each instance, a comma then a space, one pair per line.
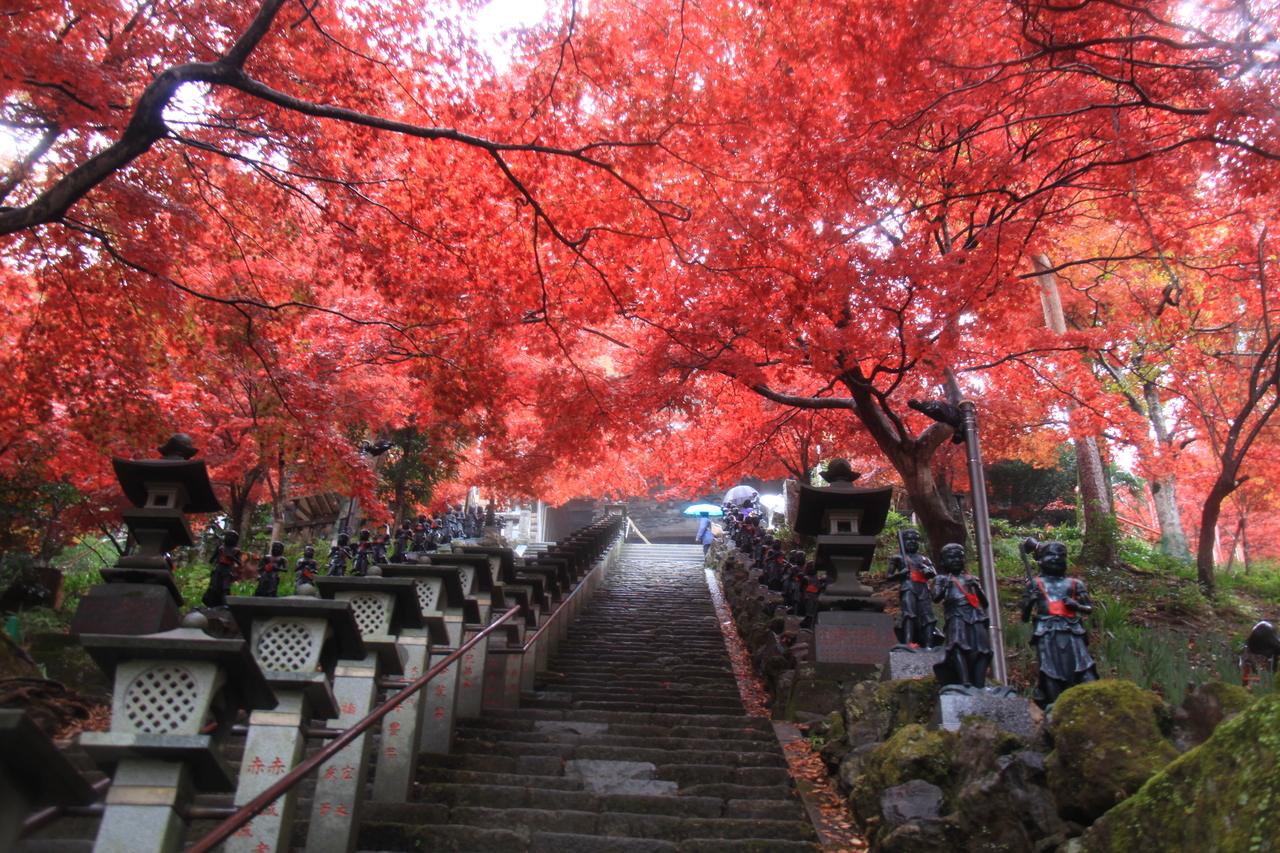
919, 577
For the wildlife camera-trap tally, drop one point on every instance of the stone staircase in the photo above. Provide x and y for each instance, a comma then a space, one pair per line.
636, 742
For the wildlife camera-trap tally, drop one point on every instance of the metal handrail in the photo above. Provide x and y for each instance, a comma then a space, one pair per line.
250, 810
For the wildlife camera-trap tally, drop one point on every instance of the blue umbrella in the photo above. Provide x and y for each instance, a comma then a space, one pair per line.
699, 509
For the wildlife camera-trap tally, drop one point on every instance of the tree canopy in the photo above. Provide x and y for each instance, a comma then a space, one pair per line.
655, 242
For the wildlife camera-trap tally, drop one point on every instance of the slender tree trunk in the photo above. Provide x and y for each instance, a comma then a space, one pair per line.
1164, 491
280, 503
1205, 565
1097, 514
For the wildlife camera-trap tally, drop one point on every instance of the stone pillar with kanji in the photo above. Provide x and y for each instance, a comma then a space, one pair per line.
479, 587
382, 607
397, 762
298, 641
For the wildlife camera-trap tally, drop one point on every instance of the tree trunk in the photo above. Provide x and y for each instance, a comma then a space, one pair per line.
1205, 565
1164, 491
242, 503
280, 504
1100, 533
1097, 514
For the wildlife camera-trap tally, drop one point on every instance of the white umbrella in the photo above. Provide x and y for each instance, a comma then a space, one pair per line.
739, 495
776, 503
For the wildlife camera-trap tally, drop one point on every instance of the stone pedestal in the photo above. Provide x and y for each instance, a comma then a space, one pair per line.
850, 636
1010, 713
128, 608
903, 663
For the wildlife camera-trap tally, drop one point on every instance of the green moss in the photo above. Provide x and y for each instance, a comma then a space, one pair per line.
1221, 797
1109, 739
912, 753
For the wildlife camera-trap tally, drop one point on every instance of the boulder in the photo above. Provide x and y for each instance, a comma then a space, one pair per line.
873, 711
912, 753
914, 800
1109, 738
813, 696
923, 836
854, 764
1203, 709
1221, 797
1010, 808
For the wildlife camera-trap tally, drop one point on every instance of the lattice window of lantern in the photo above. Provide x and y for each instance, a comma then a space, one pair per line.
285, 647
161, 699
428, 592
465, 574
369, 613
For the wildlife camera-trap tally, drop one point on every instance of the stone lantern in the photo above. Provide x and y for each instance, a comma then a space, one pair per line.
139, 595
442, 598
176, 694
845, 521
383, 607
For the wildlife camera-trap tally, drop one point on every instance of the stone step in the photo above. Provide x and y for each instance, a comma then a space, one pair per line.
401, 828
666, 720
656, 754
650, 740
517, 725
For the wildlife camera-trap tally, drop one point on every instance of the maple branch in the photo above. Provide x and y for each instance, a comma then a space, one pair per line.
801, 402
147, 126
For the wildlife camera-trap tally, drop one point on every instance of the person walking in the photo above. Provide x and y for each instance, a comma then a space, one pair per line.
705, 535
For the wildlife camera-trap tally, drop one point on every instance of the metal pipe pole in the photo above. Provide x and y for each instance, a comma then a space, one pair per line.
982, 537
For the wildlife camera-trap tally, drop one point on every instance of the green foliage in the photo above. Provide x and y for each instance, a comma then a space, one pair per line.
1262, 580
1023, 493
419, 459
1161, 659
887, 541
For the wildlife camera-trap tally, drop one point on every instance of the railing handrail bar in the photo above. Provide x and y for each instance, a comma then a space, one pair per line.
38, 820
250, 810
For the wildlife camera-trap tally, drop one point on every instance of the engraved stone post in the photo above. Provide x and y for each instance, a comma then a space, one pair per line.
297, 641
402, 728
382, 607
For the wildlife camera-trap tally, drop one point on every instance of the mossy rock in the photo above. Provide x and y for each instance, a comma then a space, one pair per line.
878, 709
1221, 797
913, 752
1109, 739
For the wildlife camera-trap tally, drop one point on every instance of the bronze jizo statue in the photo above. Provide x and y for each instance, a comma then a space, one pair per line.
916, 625
226, 562
269, 571
1057, 603
338, 556
304, 571
968, 641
